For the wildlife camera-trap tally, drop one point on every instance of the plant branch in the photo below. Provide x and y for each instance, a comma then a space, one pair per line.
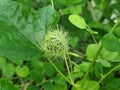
114, 27
92, 63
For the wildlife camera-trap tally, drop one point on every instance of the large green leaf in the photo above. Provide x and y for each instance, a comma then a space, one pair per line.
5, 85
111, 42
14, 45
21, 34
45, 19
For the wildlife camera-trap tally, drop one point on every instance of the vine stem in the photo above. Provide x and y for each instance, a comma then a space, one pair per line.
52, 4
70, 63
91, 33
59, 71
70, 76
90, 8
21, 80
113, 28
92, 63
75, 54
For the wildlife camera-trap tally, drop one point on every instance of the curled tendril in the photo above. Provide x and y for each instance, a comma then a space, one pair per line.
55, 43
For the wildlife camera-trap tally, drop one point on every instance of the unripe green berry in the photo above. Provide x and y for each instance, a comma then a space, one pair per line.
55, 43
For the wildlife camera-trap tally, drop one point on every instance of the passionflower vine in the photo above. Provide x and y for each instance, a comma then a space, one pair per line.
55, 43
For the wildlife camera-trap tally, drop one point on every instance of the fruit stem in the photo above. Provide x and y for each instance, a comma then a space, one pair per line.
70, 76
59, 71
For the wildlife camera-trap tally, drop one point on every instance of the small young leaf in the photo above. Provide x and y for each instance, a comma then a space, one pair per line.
91, 50
77, 73
78, 21
22, 71
105, 63
84, 66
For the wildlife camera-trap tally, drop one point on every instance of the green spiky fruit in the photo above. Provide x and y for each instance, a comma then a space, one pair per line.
55, 43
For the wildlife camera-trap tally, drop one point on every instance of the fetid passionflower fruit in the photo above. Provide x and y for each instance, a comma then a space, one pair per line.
55, 43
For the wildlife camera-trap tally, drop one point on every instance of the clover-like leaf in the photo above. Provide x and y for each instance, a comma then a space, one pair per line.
78, 21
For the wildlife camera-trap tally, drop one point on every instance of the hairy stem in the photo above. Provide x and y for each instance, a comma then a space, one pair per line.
92, 63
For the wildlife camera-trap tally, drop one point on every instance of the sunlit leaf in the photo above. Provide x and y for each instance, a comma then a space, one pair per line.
78, 21
22, 71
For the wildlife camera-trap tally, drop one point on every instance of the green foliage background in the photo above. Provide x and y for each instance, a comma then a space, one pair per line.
23, 24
